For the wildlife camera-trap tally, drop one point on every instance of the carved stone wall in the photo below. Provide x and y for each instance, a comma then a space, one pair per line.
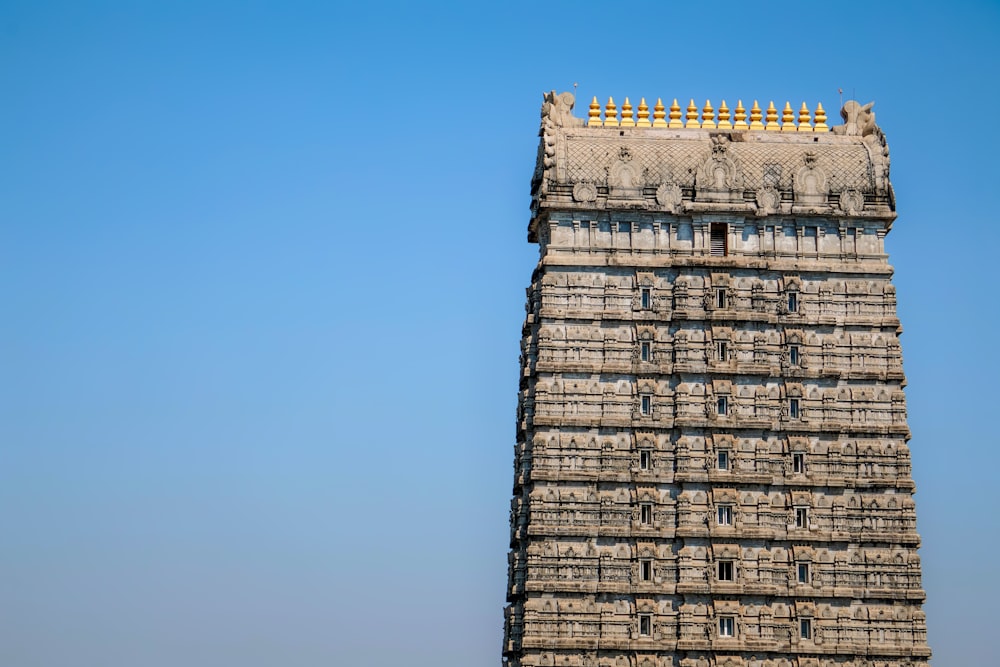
711, 465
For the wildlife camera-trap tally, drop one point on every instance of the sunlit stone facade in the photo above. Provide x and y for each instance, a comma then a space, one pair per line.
711, 465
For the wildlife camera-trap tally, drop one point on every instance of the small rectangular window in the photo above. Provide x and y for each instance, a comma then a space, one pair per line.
727, 626
793, 408
646, 404
803, 573
724, 514
793, 355
646, 570
720, 298
719, 243
646, 514
722, 406
722, 459
646, 298
793, 302
625, 227
644, 350
645, 459
798, 462
721, 350
645, 625
801, 517
725, 570
805, 628
673, 356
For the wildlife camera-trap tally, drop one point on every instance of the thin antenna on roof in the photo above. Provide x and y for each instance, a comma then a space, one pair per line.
574, 88
841, 91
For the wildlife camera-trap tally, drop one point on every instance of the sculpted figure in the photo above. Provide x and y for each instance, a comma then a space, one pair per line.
858, 120
557, 110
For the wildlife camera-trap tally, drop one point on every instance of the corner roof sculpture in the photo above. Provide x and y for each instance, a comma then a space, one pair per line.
715, 162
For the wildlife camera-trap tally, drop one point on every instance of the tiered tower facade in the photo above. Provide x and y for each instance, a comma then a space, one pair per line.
711, 465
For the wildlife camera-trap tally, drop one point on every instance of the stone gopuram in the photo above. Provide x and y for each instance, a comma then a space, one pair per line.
711, 467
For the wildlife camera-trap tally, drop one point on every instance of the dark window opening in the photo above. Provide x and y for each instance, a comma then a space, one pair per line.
725, 515
720, 240
722, 406
722, 461
645, 459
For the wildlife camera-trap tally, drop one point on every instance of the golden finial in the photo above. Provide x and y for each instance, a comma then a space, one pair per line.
804, 125
627, 114
692, 115
610, 113
755, 117
771, 118
741, 116
643, 114
724, 123
788, 118
675, 115
594, 115
707, 115
820, 118
659, 114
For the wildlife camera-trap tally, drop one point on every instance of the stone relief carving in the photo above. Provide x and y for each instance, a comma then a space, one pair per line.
852, 202
768, 200
557, 110
718, 177
669, 196
859, 121
624, 177
557, 113
584, 192
549, 155
810, 185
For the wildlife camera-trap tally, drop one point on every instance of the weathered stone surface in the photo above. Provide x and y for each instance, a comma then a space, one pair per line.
711, 464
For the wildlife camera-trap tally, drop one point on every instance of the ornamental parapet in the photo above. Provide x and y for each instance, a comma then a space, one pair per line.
709, 118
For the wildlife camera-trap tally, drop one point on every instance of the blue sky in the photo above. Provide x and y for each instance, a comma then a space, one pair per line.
261, 280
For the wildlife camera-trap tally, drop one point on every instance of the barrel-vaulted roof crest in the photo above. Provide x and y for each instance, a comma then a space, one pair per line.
765, 160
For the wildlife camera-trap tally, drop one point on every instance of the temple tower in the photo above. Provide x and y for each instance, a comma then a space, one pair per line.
711, 465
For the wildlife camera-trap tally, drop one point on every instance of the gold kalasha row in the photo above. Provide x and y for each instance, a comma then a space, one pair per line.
709, 118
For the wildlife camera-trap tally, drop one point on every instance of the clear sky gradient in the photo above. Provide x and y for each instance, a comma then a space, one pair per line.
261, 290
